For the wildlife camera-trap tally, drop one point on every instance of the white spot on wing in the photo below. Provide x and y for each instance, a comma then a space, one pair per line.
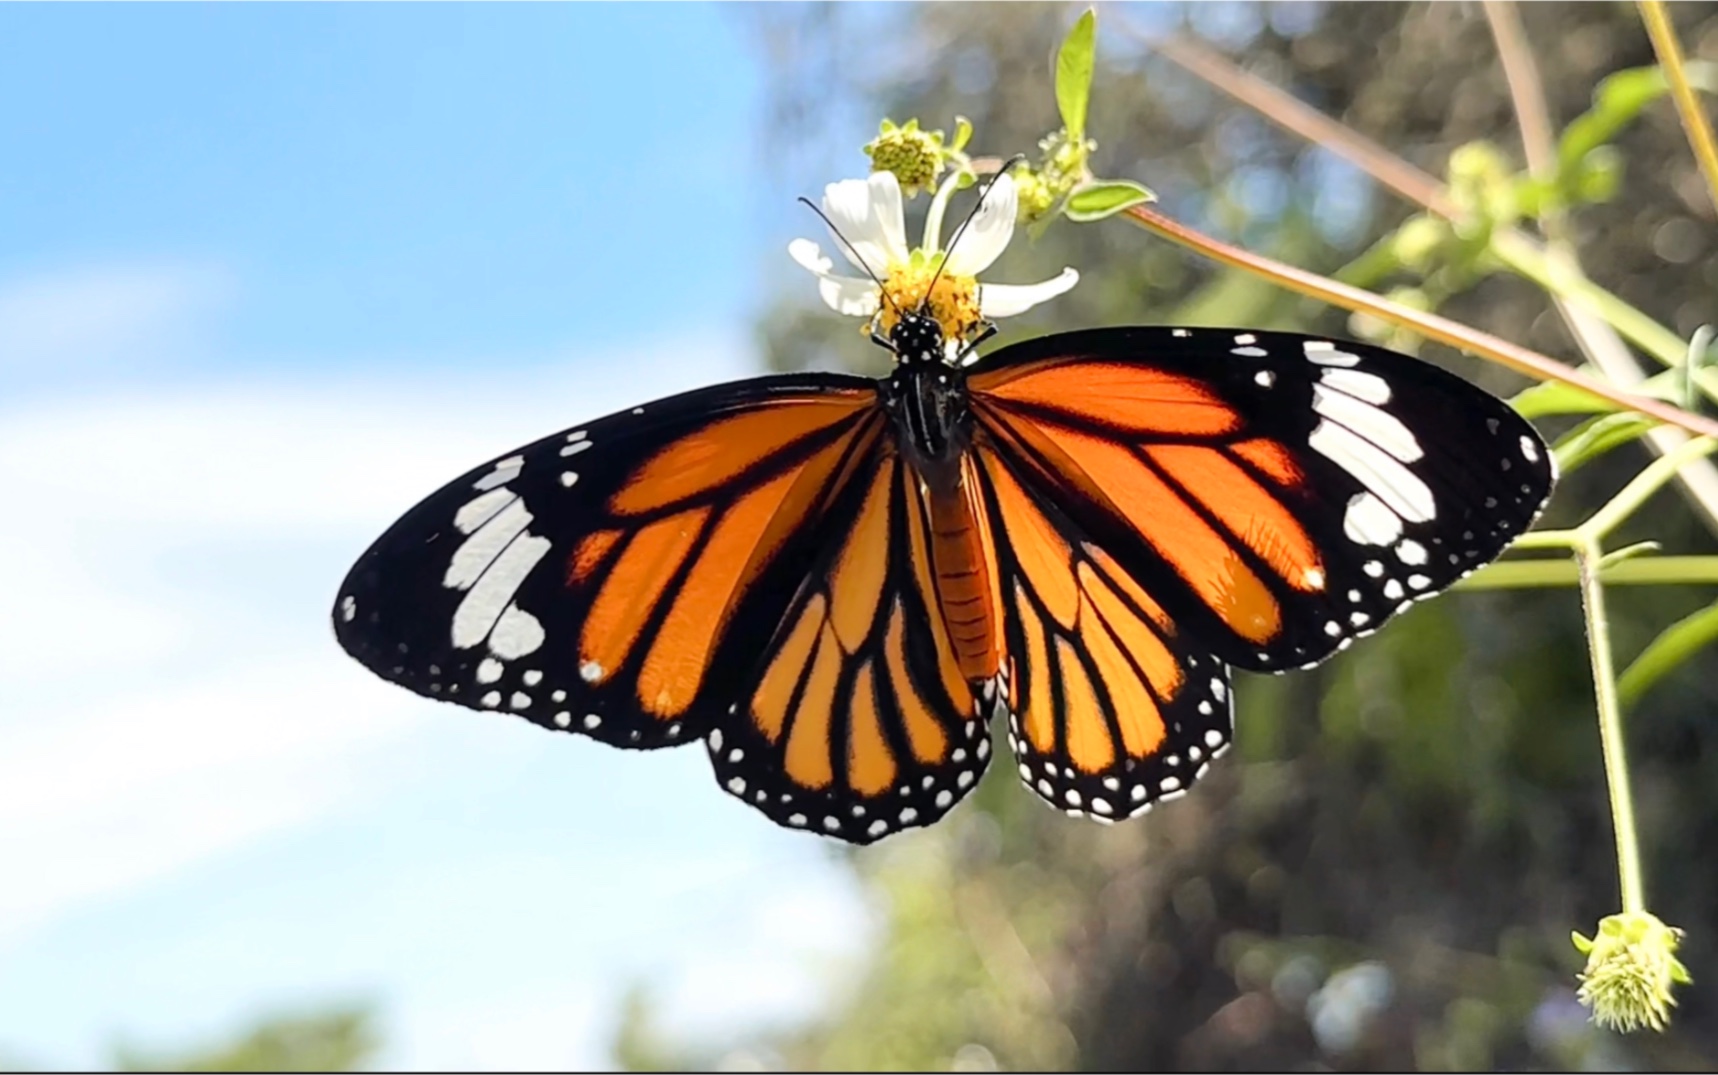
592, 672
505, 471
1367, 386
575, 448
483, 605
480, 509
1411, 552
1529, 450
1378, 426
480, 549
1264, 378
1325, 353
488, 670
1394, 483
348, 608
517, 632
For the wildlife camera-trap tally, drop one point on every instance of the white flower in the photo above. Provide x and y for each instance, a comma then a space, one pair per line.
867, 212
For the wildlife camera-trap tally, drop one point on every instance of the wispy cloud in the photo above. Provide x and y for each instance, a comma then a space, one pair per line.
96, 315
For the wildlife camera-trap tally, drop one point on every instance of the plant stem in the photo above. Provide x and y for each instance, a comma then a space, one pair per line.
1610, 726
1663, 35
1646, 483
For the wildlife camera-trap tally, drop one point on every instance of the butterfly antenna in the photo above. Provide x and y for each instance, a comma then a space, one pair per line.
958, 232
833, 230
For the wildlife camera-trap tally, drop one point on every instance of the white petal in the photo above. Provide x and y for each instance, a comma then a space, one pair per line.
1006, 300
867, 212
844, 294
987, 236
810, 256
849, 295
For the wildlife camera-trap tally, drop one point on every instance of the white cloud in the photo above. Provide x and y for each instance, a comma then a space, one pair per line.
101, 314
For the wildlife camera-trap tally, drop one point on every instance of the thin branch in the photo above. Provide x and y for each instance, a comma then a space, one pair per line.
1663, 35
1433, 326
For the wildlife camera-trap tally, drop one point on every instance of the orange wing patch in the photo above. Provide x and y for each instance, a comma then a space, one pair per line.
688, 571
1130, 399
1210, 563
720, 452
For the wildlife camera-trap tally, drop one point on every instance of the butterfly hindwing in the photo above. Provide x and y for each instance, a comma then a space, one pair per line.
1277, 494
856, 721
1111, 707
603, 579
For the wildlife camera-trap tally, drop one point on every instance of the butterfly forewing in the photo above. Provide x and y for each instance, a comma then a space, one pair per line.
612, 579
1278, 495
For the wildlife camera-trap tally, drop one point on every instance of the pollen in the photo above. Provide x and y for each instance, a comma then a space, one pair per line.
953, 299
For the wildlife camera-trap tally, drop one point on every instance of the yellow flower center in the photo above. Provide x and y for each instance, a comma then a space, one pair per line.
953, 299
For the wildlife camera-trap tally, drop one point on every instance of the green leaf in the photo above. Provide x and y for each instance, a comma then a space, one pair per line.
1617, 100
1074, 63
962, 133
1674, 645
1103, 198
1555, 397
1596, 436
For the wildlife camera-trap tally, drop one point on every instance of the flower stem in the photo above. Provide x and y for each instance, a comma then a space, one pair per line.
1610, 725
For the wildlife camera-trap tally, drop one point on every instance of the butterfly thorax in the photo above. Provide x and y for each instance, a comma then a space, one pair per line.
927, 400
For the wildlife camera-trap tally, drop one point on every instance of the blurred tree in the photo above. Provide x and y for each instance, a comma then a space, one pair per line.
1384, 875
336, 1038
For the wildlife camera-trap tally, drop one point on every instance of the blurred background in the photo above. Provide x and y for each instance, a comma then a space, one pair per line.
268, 275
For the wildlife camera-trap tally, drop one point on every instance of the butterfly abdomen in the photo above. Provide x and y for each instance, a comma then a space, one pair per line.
965, 572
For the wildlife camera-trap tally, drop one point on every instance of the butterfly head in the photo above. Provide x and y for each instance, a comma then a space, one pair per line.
917, 339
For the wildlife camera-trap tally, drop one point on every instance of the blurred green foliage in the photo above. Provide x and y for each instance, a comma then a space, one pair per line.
340, 1038
1383, 875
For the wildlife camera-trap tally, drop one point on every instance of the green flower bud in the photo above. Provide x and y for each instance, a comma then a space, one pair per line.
1036, 197
1631, 967
914, 156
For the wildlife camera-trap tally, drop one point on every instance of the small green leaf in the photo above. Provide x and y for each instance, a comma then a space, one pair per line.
1617, 100
1103, 198
1596, 436
1674, 645
1074, 63
1555, 397
962, 133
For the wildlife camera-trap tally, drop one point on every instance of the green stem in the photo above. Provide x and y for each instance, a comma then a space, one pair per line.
1610, 726
1645, 571
1525, 257
1646, 483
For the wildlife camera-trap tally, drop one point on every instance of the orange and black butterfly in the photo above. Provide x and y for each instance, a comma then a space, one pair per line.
834, 582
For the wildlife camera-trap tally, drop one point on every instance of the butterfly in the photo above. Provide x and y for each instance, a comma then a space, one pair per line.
834, 582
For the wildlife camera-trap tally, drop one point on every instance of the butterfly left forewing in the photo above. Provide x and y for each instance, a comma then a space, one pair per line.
590, 581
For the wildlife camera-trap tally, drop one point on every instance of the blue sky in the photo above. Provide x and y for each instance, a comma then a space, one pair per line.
268, 274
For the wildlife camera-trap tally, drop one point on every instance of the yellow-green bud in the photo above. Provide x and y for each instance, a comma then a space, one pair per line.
1036, 197
1631, 967
914, 156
